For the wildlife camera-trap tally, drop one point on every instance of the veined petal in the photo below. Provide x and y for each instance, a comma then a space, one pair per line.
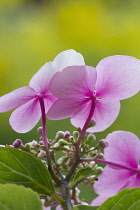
134, 182
67, 58
41, 80
125, 146
49, 101
118, 77
105, 114
74, 82
62, 109
16, 98
24, 118
79, 118
111, 181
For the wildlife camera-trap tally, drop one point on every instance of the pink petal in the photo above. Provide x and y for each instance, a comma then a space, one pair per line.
16, 98
49, 101
24, 118
125, 146
79, 118
74, 82
99, 200
105, 114
62, 109
67, 58
111, 181
46, 208
59, 207
41, 80
134, 182
118, 77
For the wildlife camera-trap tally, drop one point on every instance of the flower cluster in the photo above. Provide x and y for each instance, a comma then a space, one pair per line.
91, 97
24, 118
122, 157
74, 89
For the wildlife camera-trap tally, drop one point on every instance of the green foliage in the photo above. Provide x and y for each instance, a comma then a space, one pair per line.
32, 35
21, 168
13, 197
128, 199
81, 174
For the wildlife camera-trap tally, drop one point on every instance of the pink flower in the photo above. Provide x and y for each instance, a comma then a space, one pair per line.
123, 154
24, 118
78, 87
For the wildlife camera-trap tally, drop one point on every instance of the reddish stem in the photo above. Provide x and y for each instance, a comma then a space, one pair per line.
135, 170
54, 177
40, 97
85, 125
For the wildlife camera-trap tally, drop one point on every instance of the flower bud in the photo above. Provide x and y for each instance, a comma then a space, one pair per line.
67, 134
40, 130
59, 135
33, 143
99, 170
90, 138
41, 142
72, 140
103, 143
63, 160
94, 152
17, 143
56, 146
75, 134
62, 142
28, 146
92, 164
79, 130
66, 148
92, 123
43, 161
41, 154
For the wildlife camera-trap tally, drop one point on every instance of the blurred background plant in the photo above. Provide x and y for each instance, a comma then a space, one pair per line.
33, 32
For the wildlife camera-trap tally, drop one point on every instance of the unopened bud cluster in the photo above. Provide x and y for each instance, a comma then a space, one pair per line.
65, 142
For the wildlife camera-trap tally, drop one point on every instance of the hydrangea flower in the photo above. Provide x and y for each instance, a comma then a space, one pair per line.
24, 118
123, 169
78, 87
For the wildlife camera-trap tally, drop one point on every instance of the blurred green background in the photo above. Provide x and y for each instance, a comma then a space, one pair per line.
33, 32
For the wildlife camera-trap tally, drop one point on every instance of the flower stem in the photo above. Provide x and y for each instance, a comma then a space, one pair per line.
66, 195
54, 177
85, 126
43, 121
77, 155
44, 128
135, 170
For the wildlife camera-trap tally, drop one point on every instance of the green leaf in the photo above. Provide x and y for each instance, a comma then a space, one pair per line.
22, 168
127, 199
81, 174
13, 197
84, 207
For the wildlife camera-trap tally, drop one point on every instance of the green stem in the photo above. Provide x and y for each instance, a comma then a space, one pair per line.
66, 195
72, 169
